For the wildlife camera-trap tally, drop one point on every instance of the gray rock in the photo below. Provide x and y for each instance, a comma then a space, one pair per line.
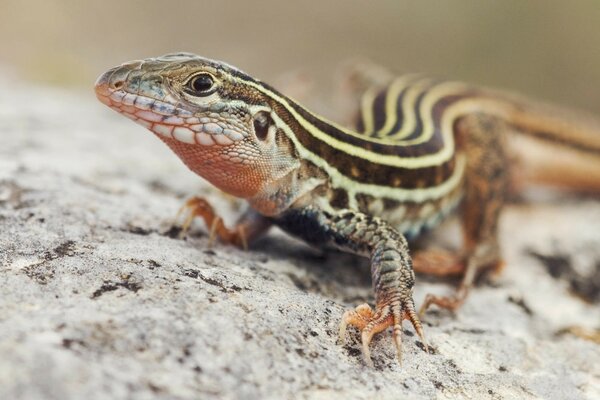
100, 299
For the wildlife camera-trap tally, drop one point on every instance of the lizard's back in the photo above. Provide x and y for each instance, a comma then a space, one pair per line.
415, 119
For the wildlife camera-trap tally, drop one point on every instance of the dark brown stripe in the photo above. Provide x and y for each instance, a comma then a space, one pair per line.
360, 123
411, 151
418, 119
378, 116
379, 104
380, 112
365, 171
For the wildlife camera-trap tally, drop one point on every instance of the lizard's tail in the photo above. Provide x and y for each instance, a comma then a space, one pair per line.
557, 147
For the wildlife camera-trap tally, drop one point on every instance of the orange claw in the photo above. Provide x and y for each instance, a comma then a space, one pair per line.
371, 322
200, 207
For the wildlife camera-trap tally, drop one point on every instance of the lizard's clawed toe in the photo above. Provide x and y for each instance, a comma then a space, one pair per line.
447, 302
370, 322
200, 207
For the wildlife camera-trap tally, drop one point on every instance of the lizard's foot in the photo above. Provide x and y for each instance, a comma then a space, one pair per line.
455, 301
441, 263
200, 207
448, 302
371, 322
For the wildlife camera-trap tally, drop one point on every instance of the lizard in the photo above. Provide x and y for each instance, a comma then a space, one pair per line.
422, 149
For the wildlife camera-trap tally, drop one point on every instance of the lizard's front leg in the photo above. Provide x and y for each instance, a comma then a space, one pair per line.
248, 227
391, 268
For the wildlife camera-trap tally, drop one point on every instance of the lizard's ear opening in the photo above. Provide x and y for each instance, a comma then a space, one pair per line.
262, 121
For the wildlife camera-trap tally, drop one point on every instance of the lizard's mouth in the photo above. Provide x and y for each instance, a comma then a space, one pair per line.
163, 118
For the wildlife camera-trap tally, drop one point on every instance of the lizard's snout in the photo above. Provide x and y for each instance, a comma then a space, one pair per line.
108, 82
115, 78
101, 85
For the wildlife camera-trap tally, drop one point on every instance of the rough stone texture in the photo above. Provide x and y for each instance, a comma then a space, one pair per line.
100, 299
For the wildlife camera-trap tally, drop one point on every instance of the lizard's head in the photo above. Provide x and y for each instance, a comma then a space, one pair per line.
213, 116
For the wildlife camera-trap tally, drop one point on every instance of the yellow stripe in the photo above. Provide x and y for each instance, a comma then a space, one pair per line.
339, 180
367, 101
307, 125
409, 110
444, 154
426, 110
433, 96
391, 103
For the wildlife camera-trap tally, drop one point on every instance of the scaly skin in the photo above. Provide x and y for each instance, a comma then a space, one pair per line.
423, 147
391, 267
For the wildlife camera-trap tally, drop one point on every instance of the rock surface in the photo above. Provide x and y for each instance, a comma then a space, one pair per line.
100, 299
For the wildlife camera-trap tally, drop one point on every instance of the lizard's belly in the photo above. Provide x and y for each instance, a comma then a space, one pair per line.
411, 218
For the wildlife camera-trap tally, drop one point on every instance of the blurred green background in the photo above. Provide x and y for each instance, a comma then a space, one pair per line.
545, 48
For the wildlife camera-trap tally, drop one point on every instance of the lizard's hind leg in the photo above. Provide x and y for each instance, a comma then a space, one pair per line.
482, 138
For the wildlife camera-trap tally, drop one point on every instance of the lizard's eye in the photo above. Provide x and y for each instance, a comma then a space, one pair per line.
201, 85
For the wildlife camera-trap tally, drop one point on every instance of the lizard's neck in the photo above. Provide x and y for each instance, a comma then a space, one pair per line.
292, 189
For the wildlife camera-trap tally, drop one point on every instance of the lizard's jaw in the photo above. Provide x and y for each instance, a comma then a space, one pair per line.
162, 117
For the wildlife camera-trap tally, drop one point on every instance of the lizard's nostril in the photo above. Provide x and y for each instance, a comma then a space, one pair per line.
117, 85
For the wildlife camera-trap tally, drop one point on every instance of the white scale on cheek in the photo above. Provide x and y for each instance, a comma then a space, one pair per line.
204, 139
173, 120
222, 140
211, 132
129, 99
143, 103
184, 135
163, 108
212, 128
233, 135
149, 116
163, 130
184, 113
117, 96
